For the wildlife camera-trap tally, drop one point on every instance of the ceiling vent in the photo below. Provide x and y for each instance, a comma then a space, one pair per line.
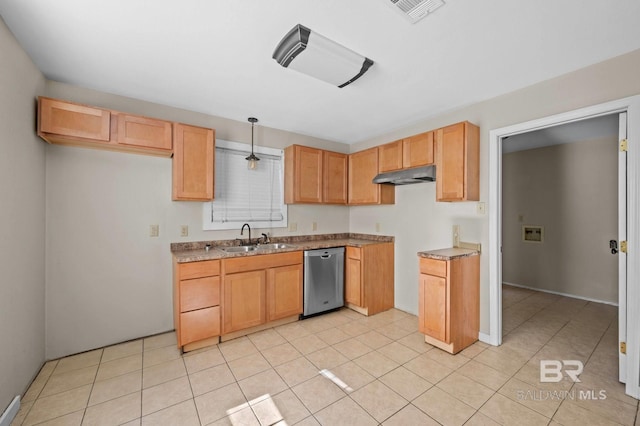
415, 10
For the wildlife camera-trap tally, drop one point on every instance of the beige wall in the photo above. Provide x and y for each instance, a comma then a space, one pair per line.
422, 224
571, 190
22, 254
107, 280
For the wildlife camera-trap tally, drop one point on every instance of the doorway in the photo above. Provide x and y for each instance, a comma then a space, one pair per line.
629, 296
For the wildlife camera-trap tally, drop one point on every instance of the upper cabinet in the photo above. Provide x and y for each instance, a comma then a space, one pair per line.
335, 165
193, 162
458, 163
144, 132
363, 167
417, 150
315, 176
405, 153
68, 123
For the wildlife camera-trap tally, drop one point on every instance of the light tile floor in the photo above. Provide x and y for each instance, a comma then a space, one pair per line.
343, 368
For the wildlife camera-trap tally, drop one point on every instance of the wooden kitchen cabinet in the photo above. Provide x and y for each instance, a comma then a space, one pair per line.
417, 150
390, 157
335, 165
69, 123
406, 153
284, 292
61, 121
458, 163
145, 132
260, 289
315, 176
303, 174
193, 163
363, 167
369, 278
196, 299
449, 302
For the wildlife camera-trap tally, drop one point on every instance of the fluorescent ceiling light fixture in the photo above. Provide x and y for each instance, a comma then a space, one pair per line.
313, 54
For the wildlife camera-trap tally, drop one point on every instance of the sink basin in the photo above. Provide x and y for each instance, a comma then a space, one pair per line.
239, 249
274, 246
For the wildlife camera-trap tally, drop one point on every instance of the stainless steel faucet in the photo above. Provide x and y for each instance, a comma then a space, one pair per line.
242, 230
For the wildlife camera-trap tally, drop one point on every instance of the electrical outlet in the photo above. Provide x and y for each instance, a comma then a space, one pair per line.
520, 218
456, 235
154, 230
378, 227
293, 227
184, 231
482, 207
314, 226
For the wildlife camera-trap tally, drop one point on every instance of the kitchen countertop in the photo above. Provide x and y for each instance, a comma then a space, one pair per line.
448, 253
195, 251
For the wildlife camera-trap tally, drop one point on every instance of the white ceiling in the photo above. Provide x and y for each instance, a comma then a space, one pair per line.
214, 57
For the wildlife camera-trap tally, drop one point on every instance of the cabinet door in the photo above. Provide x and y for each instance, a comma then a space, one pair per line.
244, 300
308, 175
144, 132
284, 292
433, 307
74, 120
193, 162
199, 325
457, 163
363, 167
353, 277
418, 150
334, 178
390, 157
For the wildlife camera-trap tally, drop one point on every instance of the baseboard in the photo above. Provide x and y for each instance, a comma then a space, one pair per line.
11, 412
486, 338
574, 296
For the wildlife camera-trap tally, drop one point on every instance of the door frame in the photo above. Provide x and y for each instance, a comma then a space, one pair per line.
631, 105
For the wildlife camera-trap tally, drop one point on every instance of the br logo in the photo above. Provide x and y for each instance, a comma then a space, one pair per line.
551, 370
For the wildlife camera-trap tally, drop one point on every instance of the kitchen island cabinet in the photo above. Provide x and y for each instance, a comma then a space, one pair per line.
449, 298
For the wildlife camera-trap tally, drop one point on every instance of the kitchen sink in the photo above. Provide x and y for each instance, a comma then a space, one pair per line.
239, 249
274, 246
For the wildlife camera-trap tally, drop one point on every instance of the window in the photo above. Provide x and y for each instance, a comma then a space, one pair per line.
246, 196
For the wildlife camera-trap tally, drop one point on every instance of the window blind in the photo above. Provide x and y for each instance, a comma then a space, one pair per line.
246, 196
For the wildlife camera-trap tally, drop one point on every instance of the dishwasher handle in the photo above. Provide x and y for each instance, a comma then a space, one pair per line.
326, 256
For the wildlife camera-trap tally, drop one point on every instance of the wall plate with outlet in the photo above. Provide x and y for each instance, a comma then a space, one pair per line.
184, 230
154, 230
482, 207
456, 235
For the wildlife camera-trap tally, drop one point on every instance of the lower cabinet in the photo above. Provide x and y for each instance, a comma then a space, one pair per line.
369, 278
260, 289
196, 299
449, 302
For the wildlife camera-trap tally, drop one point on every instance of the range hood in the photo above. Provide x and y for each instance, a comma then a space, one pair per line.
407, 176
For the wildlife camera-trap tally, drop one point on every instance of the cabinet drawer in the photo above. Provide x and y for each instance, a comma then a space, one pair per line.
354, 253
263, 261
433, 267
199, 325
205, 268
199, 293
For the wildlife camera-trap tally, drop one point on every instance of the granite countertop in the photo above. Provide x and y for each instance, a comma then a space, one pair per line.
448, 253
195, 251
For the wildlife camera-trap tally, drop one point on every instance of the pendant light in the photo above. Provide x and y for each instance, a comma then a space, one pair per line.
252, 159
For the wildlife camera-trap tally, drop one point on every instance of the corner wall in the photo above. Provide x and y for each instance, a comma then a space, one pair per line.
22, 221
571, 190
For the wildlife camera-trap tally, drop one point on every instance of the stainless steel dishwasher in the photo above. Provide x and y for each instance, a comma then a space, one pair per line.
323, 280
